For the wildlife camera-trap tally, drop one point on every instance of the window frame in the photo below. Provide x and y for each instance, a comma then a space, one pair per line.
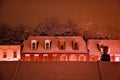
75, 45
15, 54
4, 54
62, 45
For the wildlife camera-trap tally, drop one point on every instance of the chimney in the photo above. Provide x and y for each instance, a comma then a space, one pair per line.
85, 35
85, 38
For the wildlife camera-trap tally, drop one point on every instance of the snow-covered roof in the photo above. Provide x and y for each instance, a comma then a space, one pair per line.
114, 45
54, 44
14, 47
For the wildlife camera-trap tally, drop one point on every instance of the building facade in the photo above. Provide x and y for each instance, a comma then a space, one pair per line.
10, 52
95, 48
48, 48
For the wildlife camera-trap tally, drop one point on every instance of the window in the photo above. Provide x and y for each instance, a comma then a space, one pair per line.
27, 57
82, 58
34, 44
54, 57
62, 45
14, 54
75, 45
63, 58
4, 55
36, 57
117, 59
47, 44
45, 57
92, 58
73, 58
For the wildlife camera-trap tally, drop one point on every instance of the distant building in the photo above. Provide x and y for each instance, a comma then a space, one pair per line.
10, 52
48, 48
96, 49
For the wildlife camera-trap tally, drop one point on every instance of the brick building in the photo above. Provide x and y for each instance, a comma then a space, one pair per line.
48, 48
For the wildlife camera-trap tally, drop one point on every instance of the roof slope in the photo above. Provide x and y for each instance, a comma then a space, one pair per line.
114, 45
54, 48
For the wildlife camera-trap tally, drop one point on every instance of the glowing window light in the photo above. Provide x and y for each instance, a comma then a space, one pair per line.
117, 59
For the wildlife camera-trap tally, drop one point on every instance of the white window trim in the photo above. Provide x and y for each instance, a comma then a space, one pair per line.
47, 41
34, 42
27, 54
36, 54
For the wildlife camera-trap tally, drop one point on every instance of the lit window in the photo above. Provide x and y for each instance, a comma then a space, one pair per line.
36, 57
117, 59
14, 54
45, 57
54, 57
63, 58
4, 55
62, 45
27, 57
92, 58
82, 58
73, 58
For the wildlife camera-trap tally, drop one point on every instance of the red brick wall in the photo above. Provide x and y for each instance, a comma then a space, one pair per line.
50, 56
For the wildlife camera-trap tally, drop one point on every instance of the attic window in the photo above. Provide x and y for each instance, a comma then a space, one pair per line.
47, 44
62, 45
14, 54
4, 55
34, 44
75, 45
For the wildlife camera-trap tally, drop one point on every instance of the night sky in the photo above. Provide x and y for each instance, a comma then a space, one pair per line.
83, 12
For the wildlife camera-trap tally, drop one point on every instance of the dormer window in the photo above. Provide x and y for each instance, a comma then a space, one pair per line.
4, 55
75, 45
62, 44
34, 44
14, 54
47, 44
